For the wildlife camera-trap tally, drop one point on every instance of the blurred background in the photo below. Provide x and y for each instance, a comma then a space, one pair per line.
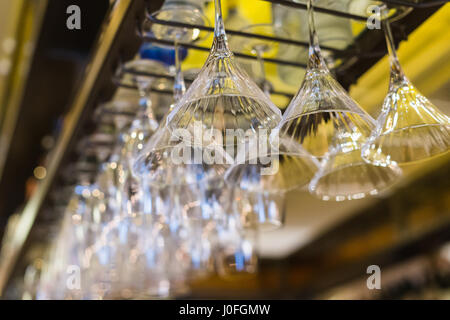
325, 248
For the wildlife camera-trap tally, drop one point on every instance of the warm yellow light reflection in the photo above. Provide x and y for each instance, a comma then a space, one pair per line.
40, 173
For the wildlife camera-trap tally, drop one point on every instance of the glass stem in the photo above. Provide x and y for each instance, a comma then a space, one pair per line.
396, 70
265, 83
220, 37
315, 56
219, 28
145, 86
179, 85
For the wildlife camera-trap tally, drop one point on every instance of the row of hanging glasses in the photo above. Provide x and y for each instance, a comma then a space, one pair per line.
175, 199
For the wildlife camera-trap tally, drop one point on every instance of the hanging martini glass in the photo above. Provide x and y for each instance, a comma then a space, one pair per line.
333, 127
261, 48
409, 128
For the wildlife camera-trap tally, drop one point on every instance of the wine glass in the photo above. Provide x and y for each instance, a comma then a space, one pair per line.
74, 234
111, 230
181, 200
129, 233
173, 184
166, 165
222, 98
139, 73
334, 32
331, 126
141, 129
274, 163
409, 128
268, 165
